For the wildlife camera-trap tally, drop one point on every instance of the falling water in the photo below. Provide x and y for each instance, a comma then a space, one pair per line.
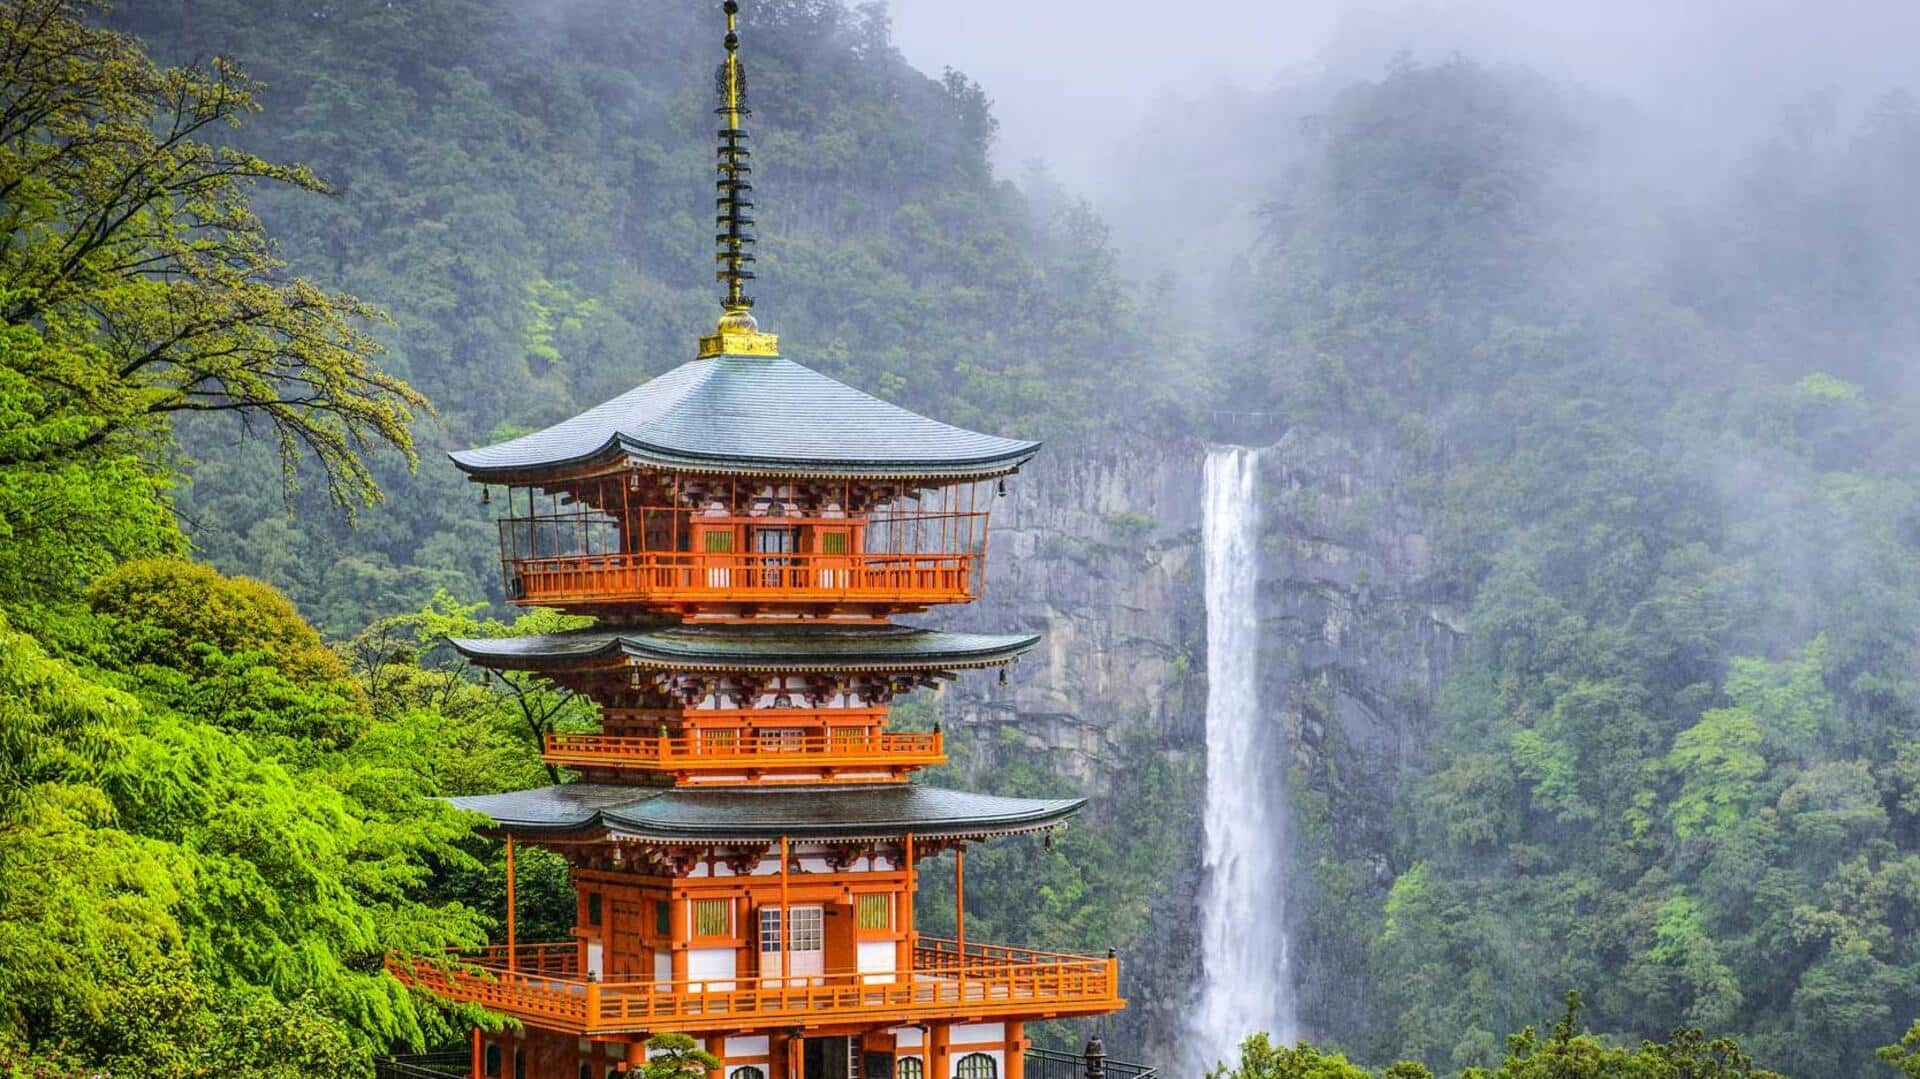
1248, 984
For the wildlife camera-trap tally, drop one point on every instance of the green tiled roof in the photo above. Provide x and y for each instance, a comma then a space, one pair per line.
748, 415
753, 814
745, 647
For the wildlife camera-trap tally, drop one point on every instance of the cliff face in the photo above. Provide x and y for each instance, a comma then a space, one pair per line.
1098, 546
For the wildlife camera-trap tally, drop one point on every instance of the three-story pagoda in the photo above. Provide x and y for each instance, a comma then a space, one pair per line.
745, 836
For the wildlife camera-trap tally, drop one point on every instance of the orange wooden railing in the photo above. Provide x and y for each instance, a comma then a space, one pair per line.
985, 980
678, 576
712, 749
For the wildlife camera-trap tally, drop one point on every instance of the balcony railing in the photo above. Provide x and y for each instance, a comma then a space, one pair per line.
726, 750
669, 577
541, 984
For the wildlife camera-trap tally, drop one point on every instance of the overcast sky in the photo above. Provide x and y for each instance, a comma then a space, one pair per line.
1070, 77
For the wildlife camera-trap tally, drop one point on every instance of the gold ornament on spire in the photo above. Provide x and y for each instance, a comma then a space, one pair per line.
737, 333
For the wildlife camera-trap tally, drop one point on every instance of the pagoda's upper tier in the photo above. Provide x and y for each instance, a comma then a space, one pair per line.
751, 415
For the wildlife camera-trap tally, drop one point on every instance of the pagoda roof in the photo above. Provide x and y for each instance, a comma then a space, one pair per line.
752, 415
746, 814
879, 647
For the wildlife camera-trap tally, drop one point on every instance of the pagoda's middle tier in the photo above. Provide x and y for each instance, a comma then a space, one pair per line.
718, 705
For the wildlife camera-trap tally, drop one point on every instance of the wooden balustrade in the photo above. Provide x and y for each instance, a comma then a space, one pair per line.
726, 749
983, 981
666, 576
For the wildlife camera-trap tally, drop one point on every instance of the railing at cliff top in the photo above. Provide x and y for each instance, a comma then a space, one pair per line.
1052, 1064
423, 1066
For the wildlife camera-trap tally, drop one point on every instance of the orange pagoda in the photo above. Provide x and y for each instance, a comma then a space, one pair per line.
746, 835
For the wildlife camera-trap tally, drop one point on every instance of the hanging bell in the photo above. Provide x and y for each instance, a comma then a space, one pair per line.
1003, 487
1003, 676
486, 495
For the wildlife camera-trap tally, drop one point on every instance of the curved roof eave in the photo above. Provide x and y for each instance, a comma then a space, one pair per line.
746, 815
621, 447
750, 415
918, 650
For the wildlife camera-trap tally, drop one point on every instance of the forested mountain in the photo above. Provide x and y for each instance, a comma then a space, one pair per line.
525, 189
1668, 442
1666, 436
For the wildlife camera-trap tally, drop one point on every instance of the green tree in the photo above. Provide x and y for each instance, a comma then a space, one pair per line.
677, 1056
128, 243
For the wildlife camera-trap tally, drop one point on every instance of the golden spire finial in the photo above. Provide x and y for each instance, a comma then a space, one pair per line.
738, 333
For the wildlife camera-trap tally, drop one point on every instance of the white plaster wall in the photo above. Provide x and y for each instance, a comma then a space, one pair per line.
705, 964
976, 1033
876, 961
754, 1046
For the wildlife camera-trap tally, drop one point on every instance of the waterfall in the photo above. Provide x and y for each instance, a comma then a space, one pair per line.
1248, 977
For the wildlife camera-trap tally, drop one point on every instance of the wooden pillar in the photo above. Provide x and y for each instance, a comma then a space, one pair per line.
512, 951
777, 1055
905, 964
939, 1063
717, 1045
785, 935
960, 902
796, 1046
677, 929
479, 1056
1016, 1051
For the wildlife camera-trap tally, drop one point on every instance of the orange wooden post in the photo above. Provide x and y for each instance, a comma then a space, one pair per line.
1016, 1050
679, 928
960, 903
477, 1065
512, 956
906, 909
718, 1047
783, 913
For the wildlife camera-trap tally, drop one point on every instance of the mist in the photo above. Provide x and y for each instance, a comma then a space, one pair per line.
1143, 108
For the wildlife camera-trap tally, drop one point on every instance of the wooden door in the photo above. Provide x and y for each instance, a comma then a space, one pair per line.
627, 954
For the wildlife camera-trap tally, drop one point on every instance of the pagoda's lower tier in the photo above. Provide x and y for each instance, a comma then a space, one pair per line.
761, 920
542, 985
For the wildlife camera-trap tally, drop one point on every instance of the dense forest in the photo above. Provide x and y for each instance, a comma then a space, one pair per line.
251, 299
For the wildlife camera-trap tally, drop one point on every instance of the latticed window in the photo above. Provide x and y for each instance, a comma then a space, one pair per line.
746, 1071
783, 739
769, 929
808, 929
711, 917
833, 542
873, 911
909, 1068
976, 1066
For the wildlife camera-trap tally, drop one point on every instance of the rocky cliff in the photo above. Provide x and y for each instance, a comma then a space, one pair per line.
1098, 546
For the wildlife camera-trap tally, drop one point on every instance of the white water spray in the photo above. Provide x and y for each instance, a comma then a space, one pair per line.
1248, 984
